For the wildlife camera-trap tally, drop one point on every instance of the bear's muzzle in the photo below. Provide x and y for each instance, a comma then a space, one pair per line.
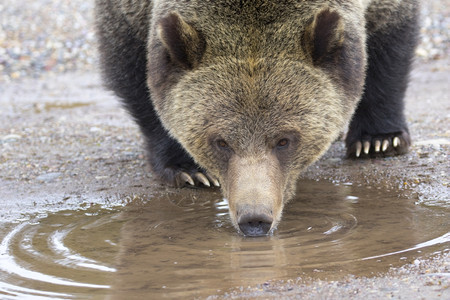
254, 191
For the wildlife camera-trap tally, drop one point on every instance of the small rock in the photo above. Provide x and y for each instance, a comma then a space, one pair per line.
48, 177
10, 138
95, 129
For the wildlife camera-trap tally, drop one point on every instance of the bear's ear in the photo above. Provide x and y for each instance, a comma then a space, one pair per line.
183, 42
324, 36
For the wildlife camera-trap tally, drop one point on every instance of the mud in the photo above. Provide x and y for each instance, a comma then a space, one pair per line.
81, 215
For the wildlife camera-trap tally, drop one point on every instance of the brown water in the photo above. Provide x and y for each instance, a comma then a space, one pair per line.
182, 245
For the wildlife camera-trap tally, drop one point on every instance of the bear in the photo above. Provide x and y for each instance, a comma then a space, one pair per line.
244, 95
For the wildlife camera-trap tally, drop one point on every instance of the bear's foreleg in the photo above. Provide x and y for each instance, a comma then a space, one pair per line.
378, 127
124, 64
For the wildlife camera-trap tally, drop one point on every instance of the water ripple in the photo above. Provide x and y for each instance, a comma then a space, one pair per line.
8, 264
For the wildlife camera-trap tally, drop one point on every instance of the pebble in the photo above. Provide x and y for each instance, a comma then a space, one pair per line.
48, 177
56, 36
10, 138
95, 129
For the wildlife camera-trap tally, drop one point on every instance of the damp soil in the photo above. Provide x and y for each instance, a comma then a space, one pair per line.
82, 217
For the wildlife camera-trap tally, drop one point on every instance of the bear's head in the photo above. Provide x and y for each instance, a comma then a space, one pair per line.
256, 121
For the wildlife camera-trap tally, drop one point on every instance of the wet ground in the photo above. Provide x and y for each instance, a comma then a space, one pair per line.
81, 216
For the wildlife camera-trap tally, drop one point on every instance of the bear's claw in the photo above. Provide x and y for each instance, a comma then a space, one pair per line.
377, 145
195, 179
186, 178
385, 145
214, 181
202, 178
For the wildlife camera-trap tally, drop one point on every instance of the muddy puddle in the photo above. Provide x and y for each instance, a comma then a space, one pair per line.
182, 245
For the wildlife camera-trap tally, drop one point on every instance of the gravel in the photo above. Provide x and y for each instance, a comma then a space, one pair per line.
45, 36
53, 36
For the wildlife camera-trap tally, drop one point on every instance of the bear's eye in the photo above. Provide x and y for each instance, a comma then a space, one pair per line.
222, 144
283, 143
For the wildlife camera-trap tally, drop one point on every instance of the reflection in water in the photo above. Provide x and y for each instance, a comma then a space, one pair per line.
183, 245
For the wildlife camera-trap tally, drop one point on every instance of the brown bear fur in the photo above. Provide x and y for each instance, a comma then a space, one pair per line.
252, 92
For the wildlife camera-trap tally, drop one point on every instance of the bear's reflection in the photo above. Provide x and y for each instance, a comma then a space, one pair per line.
183, 245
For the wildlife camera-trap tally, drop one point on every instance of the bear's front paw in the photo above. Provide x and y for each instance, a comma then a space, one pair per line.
190, 177
379, 145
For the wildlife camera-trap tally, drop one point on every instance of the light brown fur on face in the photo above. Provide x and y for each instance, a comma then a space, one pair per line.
251, 105
255, 185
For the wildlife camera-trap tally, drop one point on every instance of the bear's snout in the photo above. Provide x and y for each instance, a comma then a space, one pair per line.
254, 193
255, 224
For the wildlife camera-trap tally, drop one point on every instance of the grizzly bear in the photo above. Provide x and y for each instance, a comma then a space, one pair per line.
249, 93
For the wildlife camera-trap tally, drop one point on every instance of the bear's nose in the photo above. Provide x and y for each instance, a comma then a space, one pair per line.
255, 224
